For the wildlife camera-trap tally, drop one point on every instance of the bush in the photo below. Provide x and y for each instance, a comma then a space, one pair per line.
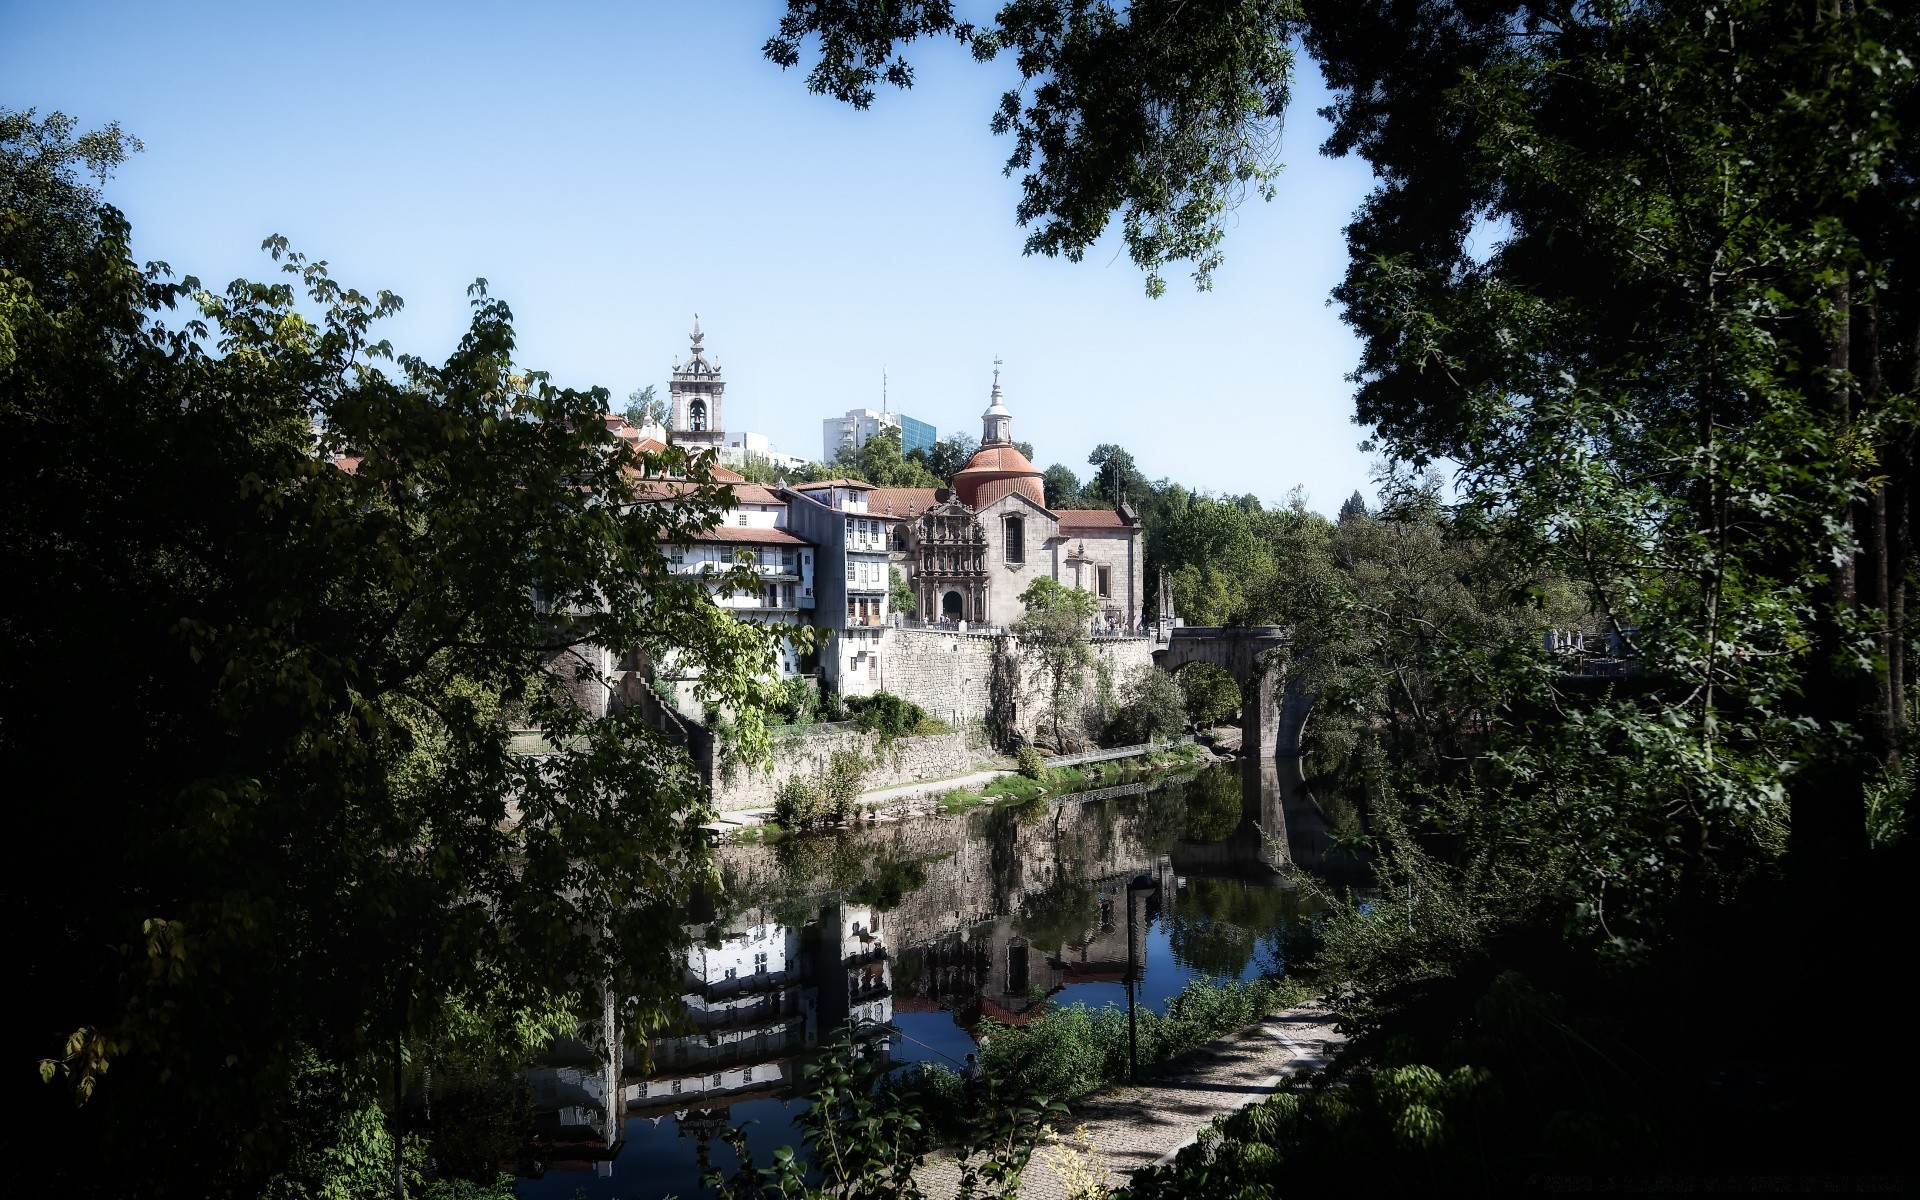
1153, 710
827, 797
1072, 1051
796, 702
1031, 764
891, 716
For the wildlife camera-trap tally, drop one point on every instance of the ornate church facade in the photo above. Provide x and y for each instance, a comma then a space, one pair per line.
979, 545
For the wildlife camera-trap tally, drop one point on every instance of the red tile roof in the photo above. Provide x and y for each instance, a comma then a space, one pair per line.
832, 483
749, 535
901, 502
993, 489
1077, 519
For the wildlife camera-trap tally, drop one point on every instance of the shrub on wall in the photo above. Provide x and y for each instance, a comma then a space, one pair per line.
826, 797
1031, 764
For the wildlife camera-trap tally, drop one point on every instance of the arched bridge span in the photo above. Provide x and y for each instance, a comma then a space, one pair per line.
1272, 713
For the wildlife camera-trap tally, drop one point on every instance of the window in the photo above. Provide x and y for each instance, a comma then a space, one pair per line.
1014, 544
760, 963
743, 518
850, 570
1103, 578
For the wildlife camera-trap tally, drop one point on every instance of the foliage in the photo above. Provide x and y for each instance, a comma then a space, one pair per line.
1214, 803
1152, 710
1031, 765
864, 1136
794, 701
1075, 1050
881, 463
900, 597
948, 456
1061, 488
1054, 628
644, 407
1211, 695
892, 716
1166, 114
307, 806
827, 797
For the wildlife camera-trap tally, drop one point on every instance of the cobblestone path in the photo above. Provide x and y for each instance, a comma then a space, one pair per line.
1134, 1127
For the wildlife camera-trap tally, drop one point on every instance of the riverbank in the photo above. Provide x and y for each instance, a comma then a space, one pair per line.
1128, 1127
988, 786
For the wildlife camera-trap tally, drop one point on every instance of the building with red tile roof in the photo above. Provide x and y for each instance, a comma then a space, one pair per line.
970, 553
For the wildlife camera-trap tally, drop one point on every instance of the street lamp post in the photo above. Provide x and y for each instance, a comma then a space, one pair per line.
1138, 885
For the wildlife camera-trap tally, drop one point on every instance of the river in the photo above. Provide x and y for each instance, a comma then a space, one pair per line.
919, 932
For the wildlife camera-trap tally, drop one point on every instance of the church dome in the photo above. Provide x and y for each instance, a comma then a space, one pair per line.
993, 472
997, 468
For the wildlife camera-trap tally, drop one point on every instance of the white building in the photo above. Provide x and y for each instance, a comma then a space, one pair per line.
851, 432
743, 446
780, 564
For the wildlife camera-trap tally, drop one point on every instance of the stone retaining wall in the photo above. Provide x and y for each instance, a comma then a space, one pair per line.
804, 751
950, 674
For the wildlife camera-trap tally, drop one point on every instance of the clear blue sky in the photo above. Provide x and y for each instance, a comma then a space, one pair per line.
612, 168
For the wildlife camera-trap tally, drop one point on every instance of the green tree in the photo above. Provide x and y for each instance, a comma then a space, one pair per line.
881, 463
645, 408
322, 572
1156, 110
1115, 475
900, 597
950, 454
1062, 487
1055, 628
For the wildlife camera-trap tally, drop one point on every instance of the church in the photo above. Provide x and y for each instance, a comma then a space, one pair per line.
980, 544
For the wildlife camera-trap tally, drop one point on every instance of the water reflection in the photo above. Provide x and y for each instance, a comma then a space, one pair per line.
914, 933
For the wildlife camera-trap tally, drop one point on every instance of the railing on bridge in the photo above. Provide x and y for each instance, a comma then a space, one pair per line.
1107, 755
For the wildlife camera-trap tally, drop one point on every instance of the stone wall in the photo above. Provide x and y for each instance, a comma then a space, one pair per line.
951, 674
804, 751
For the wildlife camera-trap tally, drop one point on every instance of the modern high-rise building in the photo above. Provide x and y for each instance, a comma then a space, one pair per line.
851, 432
916, 435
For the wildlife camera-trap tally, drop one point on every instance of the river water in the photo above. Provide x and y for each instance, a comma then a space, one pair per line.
918, 932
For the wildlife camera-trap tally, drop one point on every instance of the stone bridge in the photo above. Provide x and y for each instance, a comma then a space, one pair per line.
1272, 713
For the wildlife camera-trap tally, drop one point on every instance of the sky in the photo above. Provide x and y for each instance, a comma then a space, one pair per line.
612, 168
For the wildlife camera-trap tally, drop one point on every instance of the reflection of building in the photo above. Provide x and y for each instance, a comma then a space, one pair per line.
752, 1006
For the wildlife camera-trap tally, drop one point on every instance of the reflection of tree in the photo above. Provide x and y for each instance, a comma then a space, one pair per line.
1217, 925
1214, 801
1064, 912
1156, 819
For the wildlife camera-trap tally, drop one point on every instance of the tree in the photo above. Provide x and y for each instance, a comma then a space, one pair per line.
881, 463
1025, 449
900, 597
1152, 710
1353, 507
1158, 111
323, 574
1054, 627
1062, 487
950, 454
644, 408
1115, 474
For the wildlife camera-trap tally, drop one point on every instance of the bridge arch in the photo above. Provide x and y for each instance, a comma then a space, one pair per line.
1256, 657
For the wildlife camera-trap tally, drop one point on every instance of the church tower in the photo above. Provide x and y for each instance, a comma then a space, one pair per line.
996, 424
697, 390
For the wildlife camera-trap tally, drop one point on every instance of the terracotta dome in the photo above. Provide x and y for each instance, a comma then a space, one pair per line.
995, 471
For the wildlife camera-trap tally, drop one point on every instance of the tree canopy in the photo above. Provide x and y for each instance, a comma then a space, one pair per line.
325, 582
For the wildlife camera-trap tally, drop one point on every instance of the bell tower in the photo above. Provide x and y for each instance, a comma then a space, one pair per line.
697, 391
